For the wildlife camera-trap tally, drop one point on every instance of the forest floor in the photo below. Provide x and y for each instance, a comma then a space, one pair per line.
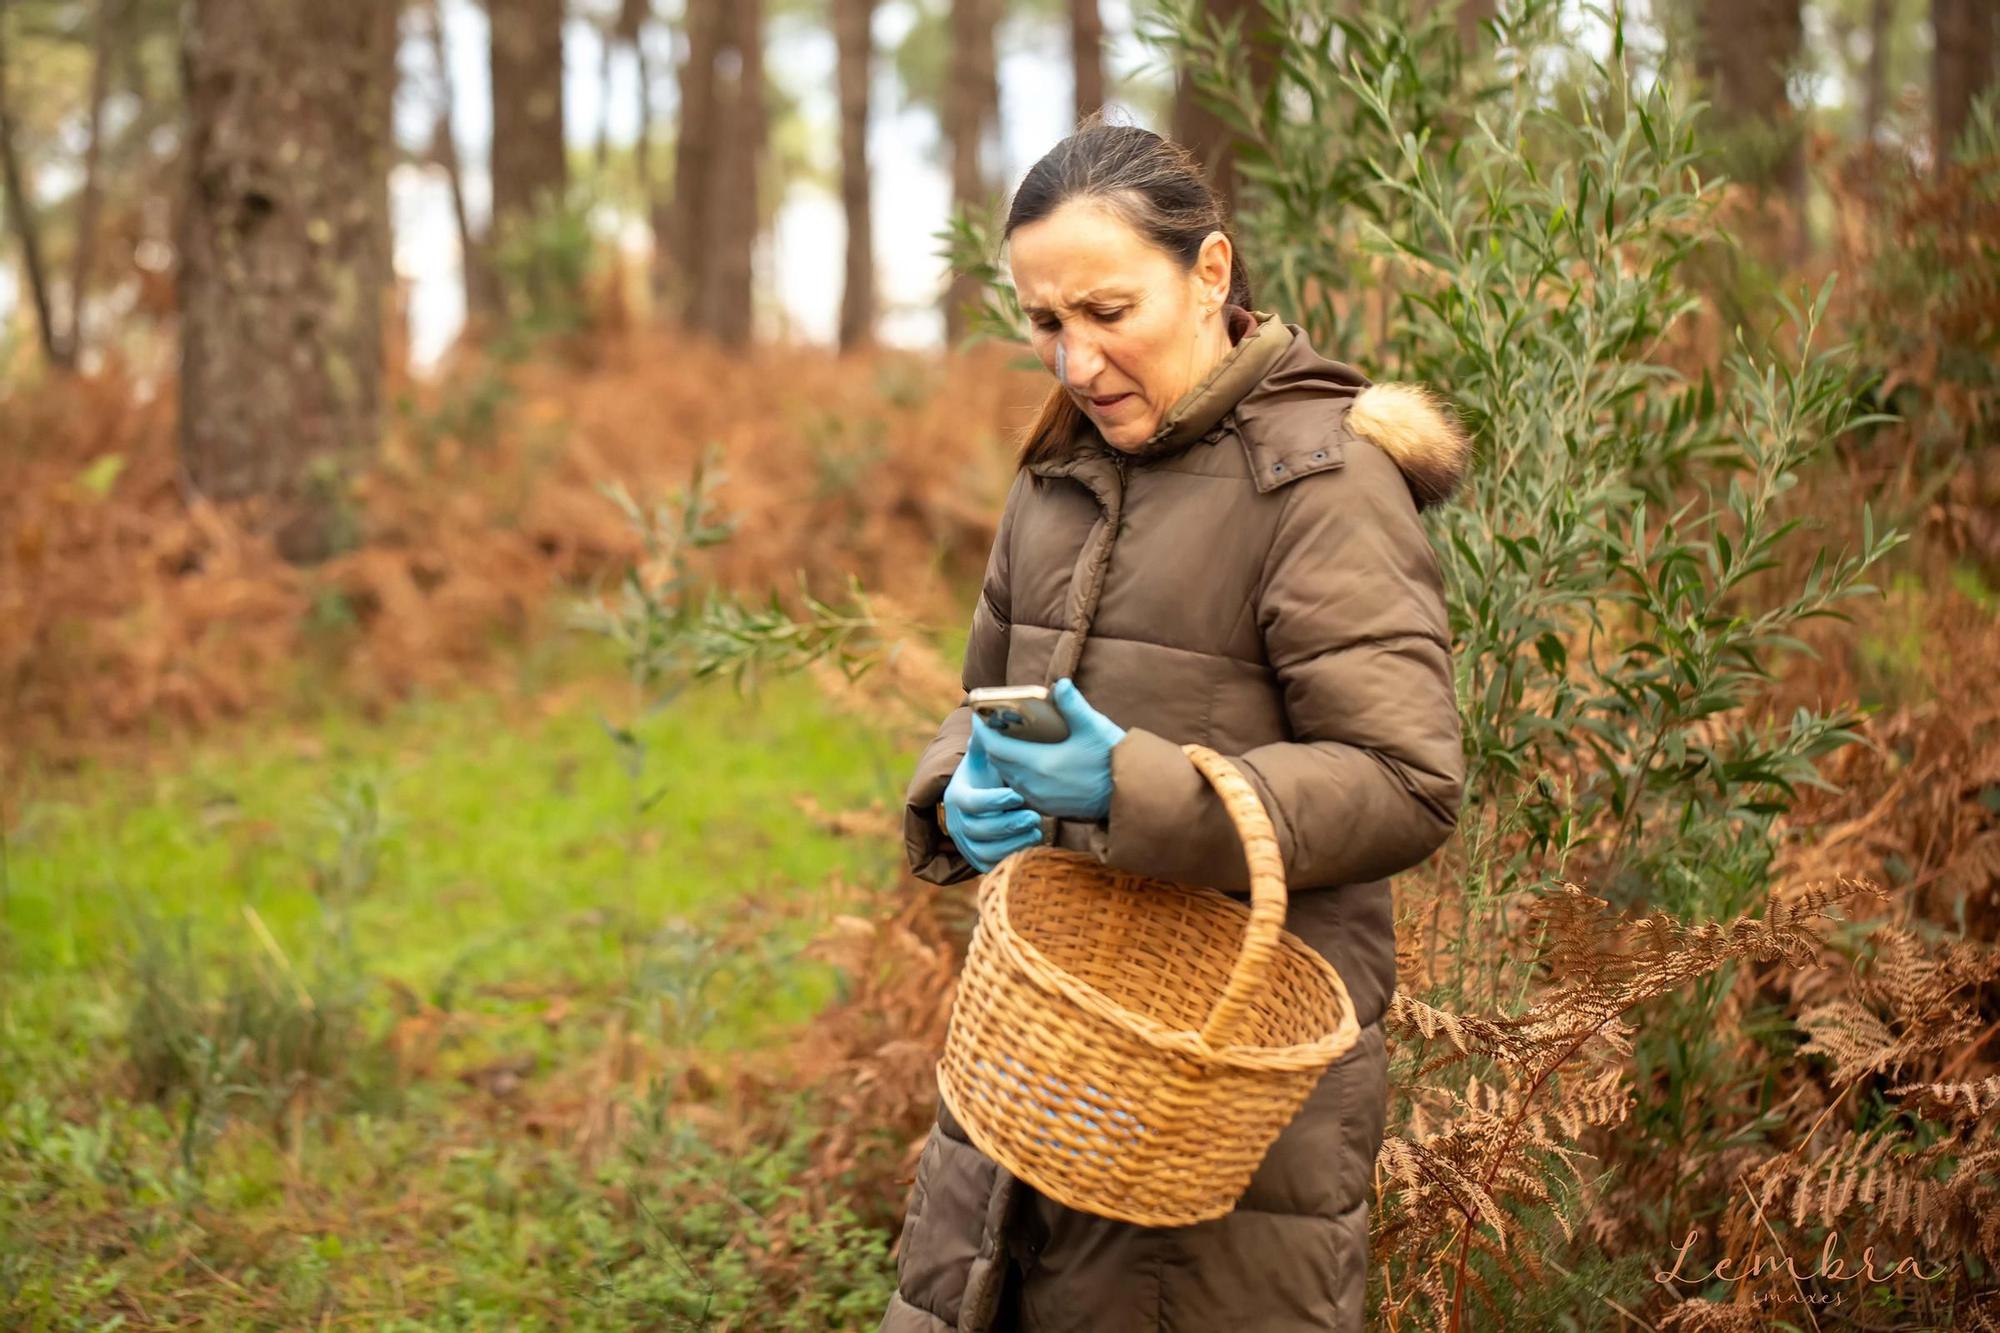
424, 1022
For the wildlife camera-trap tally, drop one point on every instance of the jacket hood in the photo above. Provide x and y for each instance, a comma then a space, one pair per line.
1288, 432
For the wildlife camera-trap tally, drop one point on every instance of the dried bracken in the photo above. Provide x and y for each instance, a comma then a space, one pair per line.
127, 604
874, 1056
1511, 1134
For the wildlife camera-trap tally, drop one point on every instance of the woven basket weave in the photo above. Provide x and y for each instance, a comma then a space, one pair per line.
1132, 1047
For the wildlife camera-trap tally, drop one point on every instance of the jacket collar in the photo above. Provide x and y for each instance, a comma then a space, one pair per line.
1296, 413
1259, 339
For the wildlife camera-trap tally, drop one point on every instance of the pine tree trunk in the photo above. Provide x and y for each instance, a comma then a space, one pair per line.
853, 22
694, 156
633, 18
1747, 48
105, 26
1086, 44
530, 167
607, 48
658, 205
722, 270
971, 109
284, 254
1961, 66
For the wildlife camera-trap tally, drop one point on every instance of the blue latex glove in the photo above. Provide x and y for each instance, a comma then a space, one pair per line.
1070, 778
989, 820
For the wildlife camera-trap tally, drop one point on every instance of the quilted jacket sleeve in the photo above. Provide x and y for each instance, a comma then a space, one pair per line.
932, 855
1352, 612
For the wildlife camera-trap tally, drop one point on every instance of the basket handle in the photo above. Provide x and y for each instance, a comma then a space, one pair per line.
1267, 890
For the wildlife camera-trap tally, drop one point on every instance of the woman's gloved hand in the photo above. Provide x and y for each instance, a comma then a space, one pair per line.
988, 819
1070, 778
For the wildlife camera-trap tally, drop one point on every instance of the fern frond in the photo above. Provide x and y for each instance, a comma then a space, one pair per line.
1956, 1102
1850, 1035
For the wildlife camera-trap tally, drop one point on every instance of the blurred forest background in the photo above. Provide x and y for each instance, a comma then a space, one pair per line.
489, 494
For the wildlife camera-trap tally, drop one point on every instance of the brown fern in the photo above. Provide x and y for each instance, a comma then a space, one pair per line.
1506, 1136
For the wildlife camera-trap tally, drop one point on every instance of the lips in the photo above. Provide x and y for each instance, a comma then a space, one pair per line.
1101, 403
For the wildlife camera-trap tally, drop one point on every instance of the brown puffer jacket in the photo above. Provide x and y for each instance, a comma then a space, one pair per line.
1255, 578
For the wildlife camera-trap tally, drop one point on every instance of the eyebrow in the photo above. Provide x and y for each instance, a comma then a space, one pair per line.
1088, 298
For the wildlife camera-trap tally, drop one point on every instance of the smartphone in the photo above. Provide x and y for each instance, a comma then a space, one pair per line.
1024, 712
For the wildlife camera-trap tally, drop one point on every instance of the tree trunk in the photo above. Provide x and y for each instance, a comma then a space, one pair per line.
284, 254
1961, 66
26, 223
1086, 44
1875, 92
659, 216
1747, 48
853, 22
105, 22
971, 109
720, 268
694, 156
1198, 128
530, 168
633, 18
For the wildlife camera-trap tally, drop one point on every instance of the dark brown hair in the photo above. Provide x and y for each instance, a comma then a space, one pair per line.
1157, 187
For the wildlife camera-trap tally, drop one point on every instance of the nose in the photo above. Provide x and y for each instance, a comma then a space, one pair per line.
1076, 369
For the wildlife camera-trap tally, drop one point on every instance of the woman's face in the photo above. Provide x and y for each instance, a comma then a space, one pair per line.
1115, 318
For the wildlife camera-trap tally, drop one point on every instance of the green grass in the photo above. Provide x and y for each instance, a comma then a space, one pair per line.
475, 863
512, 833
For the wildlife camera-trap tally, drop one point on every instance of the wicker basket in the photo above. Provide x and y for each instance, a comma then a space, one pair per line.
1132, 1047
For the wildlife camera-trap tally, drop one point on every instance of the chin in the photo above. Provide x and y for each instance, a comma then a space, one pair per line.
1126, 434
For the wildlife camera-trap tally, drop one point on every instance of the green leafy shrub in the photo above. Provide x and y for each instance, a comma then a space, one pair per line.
674, 625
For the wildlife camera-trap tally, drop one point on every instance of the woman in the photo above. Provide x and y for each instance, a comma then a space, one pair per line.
1213, 536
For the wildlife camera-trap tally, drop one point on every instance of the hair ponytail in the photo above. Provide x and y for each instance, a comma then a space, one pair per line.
1055, 428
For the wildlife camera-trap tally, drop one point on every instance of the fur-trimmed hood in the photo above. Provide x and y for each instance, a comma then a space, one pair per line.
1415, 427
1304, 411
